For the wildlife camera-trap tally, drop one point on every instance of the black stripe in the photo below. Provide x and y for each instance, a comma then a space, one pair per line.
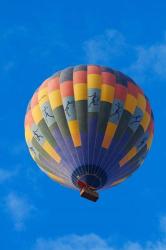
80, 68
105, 108
123, 125
81, 111
66, 74
61, 121
121, 78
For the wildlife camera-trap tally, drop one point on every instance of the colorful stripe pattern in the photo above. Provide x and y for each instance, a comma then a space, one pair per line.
89, 124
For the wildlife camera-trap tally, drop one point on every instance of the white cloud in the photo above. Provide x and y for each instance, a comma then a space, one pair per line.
72, 242
102, 48
150, 61
132, 246
95, 242
142, 62
19, 209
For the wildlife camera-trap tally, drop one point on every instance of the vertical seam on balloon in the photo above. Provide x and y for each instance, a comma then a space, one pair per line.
116, 90
60, 165
88, 83
64, 141
62, 154
80, 147
72, 157
98, 157
127, 141
123, 169
74, 91
40, 106
98, 114
33, 138
68, 125
124, 131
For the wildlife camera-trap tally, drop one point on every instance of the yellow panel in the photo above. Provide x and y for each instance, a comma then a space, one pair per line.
37, 114
145, 121
149, 141
107, 93
94, 81
55, 178
75, 133
28, 134
109, 134
128, 156
130, 103
118, 181
55, 99
141, 102
51, 151
42, 96
80, 91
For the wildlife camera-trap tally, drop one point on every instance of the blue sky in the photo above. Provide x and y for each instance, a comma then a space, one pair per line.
38, 38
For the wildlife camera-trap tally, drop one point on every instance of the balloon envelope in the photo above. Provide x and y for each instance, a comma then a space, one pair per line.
89, 126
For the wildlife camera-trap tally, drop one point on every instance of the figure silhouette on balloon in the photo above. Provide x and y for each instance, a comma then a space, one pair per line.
117, 111
94, 100
68, 105
47, 115
37, 135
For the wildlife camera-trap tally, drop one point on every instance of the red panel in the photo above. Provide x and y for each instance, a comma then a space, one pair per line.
108, 78
53, 84
151, 126
92, 69
148, 109
120, 92
133, 89
80, 77
66, 89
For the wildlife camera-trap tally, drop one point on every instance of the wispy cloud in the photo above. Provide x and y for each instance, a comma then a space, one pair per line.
19, 208
95, 242
150, 60
112, 48
71, 242
101, 48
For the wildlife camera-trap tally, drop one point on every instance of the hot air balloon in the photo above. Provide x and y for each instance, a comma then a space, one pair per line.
89, 128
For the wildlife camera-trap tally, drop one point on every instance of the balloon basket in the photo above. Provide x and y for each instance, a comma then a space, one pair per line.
89, 194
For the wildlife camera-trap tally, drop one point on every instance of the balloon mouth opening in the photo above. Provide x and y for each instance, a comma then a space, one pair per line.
89, 180
92, 177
